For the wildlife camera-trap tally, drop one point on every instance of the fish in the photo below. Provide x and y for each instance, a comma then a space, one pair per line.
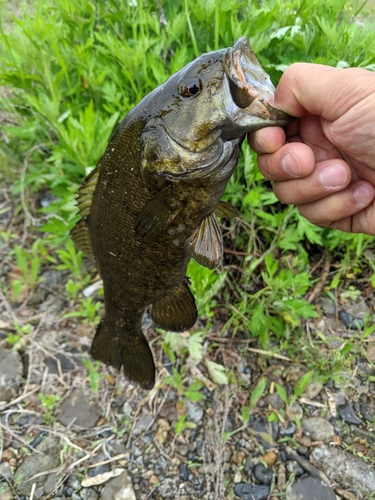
152, 202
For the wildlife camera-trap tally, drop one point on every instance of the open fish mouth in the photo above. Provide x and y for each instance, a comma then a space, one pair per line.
251, 88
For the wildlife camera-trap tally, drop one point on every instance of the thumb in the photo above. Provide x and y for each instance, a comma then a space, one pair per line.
322, 90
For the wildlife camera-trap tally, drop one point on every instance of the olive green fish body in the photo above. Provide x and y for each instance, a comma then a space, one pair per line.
150, 204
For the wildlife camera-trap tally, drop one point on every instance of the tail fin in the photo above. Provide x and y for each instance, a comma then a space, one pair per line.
114, 347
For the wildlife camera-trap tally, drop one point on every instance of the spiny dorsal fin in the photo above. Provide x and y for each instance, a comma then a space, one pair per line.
226, 210
81, 239
205, 245
177, 311
86, 191
157, 214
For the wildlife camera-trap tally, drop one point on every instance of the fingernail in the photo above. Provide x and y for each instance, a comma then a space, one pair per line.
291, 165
364, 194
334, 176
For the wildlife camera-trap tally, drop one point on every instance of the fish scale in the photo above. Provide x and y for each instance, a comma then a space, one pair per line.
153, 200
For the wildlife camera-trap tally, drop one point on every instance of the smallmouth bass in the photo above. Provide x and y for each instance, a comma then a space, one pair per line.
153, 200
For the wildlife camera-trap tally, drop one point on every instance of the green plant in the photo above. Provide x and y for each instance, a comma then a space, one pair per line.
94, 375
49, 403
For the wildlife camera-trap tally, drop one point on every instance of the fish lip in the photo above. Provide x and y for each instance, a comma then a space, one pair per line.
250, 86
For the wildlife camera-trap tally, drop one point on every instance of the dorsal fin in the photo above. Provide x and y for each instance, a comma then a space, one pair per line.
86, 191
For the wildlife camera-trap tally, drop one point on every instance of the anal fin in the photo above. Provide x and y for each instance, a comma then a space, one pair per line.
177, 311
205, 245
157, 214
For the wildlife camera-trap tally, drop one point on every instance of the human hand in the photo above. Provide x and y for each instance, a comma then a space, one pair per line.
325, 163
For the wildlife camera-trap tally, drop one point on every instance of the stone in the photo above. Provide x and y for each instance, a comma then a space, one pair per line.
351, 472
289, 430
312, 389
66, 363
248, 491
348, 414
274, 400
78, 409
270, 458
50, 483
309, 488
5, 471
318, 428
295, 411
264, 433
10, 374
45, 457
119, 488
142, 424
294, 468
263, 474
194, 413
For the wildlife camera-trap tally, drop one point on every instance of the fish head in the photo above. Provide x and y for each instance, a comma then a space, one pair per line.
204, 110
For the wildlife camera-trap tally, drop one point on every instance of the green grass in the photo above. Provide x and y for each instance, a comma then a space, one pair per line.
72, 70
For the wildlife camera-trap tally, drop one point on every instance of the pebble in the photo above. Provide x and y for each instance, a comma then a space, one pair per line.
362, 434
264, 433
10, 374
142, 424
78, 408
45, 457
312, 389
288, 431
194, 413
349, 471
309, 488
5, 470
270, 458
294, 468
263, 474
248, 491
167, 489
274, 400
119, 488
296, 411
367, 412
348, 415
318, 428
184, 472
340, 398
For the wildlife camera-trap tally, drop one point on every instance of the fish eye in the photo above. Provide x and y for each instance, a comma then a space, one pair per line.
191, 88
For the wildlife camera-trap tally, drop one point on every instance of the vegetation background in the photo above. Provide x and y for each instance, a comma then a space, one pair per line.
70, 70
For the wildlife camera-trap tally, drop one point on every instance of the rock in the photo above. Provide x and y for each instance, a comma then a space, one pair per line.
362, 434
265, 433
167, 489
295, 411
119, 488
77, 408
184, 472
367, 412
328, 306
294, 468
263, 474
313, 388
319, 429
309, 488
248, 491
142, 424
50, 483
10, 374
45, 457
66, 364
350, 321
339, 397
348, 415
194, 413
52, 305
5, 471
349, 471
274, 400
295, 373
88, 494
270, 458
289, 430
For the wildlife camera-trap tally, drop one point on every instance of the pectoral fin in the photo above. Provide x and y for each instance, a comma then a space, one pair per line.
226, 210
176, 312
157, 214
205, 245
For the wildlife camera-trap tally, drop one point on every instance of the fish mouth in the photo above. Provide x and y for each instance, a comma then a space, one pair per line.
251, 88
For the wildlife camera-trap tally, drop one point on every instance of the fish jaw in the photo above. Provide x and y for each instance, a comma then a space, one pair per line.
250, 89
